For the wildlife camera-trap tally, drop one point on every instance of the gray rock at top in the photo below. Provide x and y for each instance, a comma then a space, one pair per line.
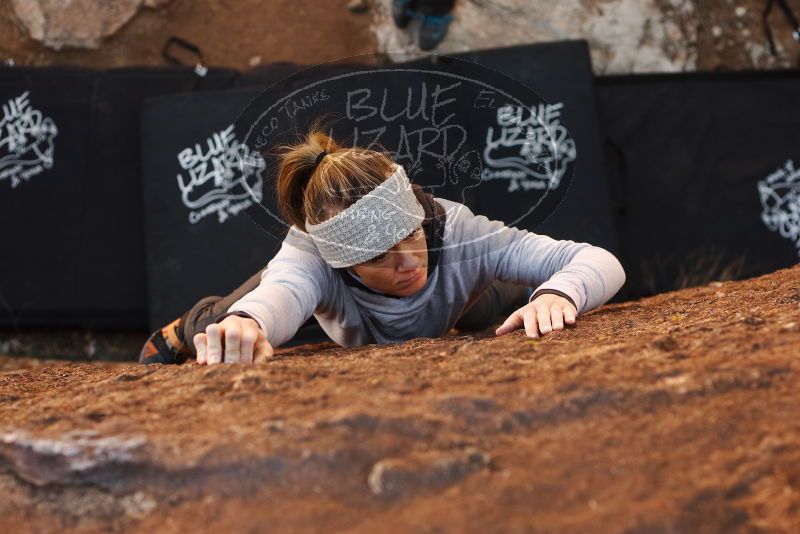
76, 23
624, 35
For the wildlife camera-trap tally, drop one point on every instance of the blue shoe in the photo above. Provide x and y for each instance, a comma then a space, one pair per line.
433, 30
403, 12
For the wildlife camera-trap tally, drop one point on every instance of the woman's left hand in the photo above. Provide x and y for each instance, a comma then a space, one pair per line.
547, 312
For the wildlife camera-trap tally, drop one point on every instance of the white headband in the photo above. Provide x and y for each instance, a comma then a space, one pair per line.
372, 225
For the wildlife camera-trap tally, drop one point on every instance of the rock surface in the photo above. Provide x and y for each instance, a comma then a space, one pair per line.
675, 413
625, 36
76, 23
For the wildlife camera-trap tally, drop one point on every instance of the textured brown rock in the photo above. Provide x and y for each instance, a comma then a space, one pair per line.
398, 477
624, 35
76, 23
676, 413
229, 33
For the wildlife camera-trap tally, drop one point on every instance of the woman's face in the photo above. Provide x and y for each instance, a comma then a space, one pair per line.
400, 271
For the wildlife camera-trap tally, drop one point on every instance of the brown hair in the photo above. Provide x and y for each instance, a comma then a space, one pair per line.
342, 177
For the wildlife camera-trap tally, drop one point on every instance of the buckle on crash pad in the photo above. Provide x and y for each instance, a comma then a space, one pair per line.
200, 66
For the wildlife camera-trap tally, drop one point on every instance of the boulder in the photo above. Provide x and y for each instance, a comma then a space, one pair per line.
673, 413
76, 23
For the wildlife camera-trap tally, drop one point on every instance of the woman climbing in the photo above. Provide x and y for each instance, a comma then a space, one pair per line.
376, 260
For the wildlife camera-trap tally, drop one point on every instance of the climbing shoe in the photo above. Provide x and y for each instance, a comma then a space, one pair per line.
433, 30
403, 12
165, 345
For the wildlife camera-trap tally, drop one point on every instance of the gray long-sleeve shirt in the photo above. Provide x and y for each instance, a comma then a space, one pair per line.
298, 283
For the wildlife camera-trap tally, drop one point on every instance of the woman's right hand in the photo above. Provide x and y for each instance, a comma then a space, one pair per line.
233, 340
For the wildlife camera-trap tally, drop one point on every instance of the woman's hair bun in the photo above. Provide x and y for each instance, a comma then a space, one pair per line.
318, 177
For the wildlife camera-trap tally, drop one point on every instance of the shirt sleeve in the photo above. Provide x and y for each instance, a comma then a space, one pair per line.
590, 275
292, 287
